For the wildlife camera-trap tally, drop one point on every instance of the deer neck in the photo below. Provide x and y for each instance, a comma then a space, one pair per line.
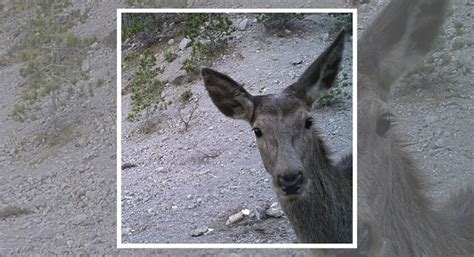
405, 208
323, 213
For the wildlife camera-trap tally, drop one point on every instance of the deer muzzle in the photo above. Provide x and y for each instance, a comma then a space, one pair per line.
291, 183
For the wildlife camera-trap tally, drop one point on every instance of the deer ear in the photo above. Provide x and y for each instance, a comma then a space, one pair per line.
397, 40
229, 97
321, 74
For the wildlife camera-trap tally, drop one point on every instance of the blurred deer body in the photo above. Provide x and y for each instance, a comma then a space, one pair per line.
395, 217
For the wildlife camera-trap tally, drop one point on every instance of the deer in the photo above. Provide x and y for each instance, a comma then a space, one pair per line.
395, 218
314, 193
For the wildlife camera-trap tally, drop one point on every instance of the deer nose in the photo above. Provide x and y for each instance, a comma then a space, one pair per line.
290, 183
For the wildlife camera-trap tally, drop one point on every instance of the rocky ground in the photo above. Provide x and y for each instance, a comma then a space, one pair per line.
61, 200
190, 181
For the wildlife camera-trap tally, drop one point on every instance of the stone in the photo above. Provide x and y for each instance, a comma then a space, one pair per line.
200, 231
242, 24
274, 210
185, 43
235, 218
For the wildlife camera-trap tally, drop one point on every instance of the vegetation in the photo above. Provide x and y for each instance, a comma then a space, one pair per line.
186, 96
156, 4
149, 24
278, 20
343, 21
131, 60
459, 28
145, 88
201, 55
59, 136
11, 211
190, 66
169, 55
214, 27
52, 58
446, 59
336, 93
458, 44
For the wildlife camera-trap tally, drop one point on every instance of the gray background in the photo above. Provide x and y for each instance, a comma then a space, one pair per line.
61, 199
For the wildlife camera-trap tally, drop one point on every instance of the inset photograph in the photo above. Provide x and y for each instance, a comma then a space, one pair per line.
236, 128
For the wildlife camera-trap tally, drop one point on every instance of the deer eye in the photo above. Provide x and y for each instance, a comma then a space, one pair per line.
308, 123
384, 122
257, 132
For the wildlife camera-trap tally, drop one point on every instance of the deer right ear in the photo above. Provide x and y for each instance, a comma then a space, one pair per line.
229, 97
321, 74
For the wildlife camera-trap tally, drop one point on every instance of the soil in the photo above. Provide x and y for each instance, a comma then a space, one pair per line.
196, 178
61, 199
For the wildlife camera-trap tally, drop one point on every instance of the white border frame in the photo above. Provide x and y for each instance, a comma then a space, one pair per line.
230, 245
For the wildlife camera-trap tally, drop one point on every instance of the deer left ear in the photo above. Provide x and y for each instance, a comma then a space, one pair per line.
228, 96
321, 74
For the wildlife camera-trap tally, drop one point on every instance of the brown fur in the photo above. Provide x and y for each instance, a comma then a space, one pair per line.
397, 218
319, 208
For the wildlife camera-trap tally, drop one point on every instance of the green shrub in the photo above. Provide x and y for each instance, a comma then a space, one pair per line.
186, 96
58, 136
145, 88
135, 23
201, 55
169, 55
10, 211
459, 28
446, 59
343, 21
212, 26
99, 82
52, 57
458, 44
190, 66
335, 94
278, 20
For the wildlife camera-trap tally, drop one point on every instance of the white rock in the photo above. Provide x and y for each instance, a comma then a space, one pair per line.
235, 218
242, 24
86, 65
184, 43
171, 41
274, 210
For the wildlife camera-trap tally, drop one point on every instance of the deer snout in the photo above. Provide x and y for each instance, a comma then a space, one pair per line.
290, 183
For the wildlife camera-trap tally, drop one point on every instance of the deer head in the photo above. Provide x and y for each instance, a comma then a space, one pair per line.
284, 128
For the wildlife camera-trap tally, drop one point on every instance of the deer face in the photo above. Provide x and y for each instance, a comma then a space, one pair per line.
377, 141
395, 41
283, 128
282, 123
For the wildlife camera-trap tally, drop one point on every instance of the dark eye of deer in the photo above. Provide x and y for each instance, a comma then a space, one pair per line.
308, 123
257, 132
383, 124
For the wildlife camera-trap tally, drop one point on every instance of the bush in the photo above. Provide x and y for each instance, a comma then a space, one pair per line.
278, 20
145, 88
145, 23
52, 58
459, 27
458, 44
343, 21
201, 55
190, 66
335, 94
169, 56
211, 26
186, 96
